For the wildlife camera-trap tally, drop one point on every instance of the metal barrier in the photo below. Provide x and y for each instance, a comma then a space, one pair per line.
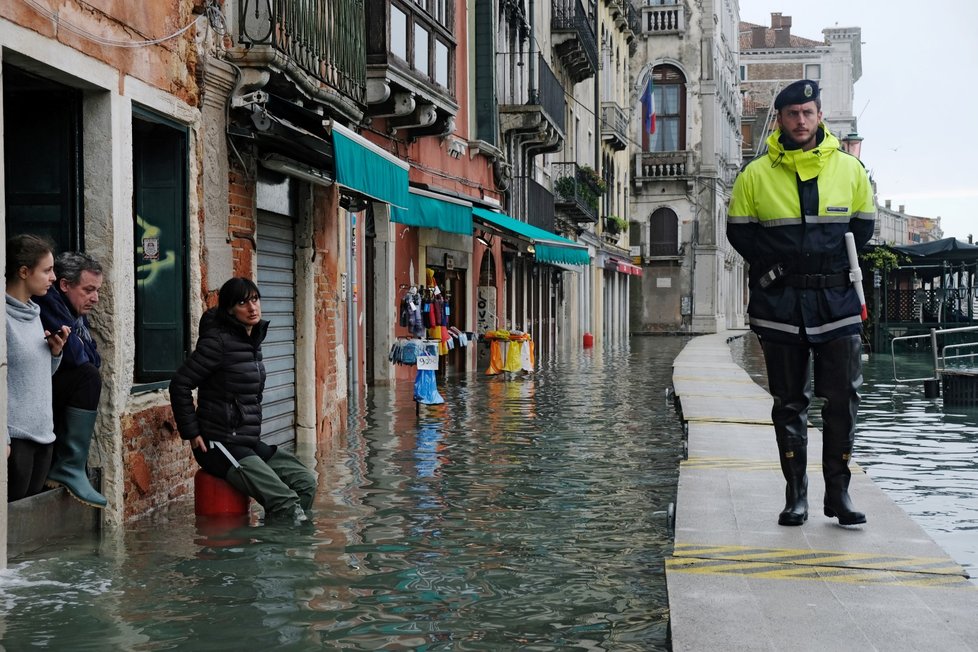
939, 355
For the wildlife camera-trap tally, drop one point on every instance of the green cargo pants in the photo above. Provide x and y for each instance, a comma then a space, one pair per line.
279, 485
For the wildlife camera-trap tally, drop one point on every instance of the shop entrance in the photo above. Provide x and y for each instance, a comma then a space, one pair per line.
452, 283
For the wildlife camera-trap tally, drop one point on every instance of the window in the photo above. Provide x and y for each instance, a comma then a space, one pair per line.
743, 73
422, 35
813, 71
669, 93
160, 236
664, 233
42, 150
421, 53
399, 21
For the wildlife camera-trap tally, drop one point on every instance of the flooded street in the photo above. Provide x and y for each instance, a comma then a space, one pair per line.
925, 457
526, 513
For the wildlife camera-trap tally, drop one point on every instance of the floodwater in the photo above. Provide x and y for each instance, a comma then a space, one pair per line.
923, 455
524, 513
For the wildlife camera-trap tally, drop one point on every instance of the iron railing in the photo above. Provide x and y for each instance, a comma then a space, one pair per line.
551, 93
325, 38
570, 15
540, 206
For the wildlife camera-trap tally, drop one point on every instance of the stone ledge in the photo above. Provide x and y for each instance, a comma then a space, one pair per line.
39, 520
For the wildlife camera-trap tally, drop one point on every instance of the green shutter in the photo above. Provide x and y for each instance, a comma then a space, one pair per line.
160, 209
486, 109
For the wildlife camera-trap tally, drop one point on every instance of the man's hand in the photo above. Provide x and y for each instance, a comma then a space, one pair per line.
198, 442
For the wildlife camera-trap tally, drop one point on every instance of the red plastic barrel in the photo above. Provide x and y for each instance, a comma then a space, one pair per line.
216, 497
588, 340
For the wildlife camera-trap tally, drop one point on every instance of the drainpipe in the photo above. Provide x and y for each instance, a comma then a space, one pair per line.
532, 89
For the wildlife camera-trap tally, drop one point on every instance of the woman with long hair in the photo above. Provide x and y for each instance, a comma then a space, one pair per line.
33, 355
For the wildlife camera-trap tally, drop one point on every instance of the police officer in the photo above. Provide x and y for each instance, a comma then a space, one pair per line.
788, 217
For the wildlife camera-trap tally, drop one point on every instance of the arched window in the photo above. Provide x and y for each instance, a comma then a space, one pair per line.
664, 233
668, 122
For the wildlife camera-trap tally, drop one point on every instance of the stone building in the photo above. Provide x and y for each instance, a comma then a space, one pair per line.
684, 170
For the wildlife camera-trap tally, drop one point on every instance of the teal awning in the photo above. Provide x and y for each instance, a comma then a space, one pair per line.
367, 169
431, 211
548, 247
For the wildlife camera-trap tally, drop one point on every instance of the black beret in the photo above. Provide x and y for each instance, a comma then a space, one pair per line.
799, 92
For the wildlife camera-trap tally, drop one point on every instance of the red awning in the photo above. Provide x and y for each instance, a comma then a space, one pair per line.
628, 268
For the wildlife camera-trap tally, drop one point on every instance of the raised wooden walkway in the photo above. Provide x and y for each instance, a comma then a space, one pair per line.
739, 581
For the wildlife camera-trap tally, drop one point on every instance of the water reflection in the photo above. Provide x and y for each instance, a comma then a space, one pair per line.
924, 456
523, 513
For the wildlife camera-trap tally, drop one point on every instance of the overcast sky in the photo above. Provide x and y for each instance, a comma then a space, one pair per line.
917, 99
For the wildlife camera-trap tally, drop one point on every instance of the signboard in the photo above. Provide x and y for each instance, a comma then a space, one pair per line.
428, 356
486, 309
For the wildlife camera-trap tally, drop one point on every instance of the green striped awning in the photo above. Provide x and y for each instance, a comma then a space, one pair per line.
367, 169
431, 211
548, 247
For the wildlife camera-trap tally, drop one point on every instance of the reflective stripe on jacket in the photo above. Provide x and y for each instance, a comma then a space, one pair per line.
767, 225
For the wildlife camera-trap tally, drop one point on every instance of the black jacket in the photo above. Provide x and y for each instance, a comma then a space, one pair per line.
227, 368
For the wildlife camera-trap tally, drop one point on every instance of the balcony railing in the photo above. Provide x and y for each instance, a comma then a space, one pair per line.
325, 38
540, 206
574, 39
664, 19
635, 25
572, 194
549, 95
614, 125
663, 165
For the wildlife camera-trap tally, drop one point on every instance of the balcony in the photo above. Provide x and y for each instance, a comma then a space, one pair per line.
537, 111
635, 26
576, 192
614, 126
573, 39
663, 166
663, 19
313, 49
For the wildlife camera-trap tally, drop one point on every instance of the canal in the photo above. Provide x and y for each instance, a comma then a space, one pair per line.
526, 513
923, 455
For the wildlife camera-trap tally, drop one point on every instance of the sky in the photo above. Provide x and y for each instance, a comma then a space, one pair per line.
917, 100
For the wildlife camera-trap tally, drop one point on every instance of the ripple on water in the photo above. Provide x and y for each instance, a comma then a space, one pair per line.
523, 513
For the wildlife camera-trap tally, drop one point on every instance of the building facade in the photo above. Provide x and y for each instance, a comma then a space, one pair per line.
686, 102
341, 153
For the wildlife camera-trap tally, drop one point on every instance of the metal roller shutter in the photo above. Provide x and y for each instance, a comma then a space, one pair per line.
276, 281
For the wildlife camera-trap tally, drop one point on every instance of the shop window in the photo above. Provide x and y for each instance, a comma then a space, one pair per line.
160, 236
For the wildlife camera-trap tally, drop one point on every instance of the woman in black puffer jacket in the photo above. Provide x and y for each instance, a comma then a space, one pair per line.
224, 429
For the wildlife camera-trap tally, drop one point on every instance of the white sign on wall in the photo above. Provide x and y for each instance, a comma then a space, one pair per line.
486, 309
663, 282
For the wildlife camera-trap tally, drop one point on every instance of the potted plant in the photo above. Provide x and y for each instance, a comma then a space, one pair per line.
614, 224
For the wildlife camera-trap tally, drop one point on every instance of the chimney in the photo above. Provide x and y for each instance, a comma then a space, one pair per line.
887, 203
758, 35
902, 206
782, 29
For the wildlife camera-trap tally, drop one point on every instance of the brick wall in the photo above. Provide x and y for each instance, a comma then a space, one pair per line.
159, 465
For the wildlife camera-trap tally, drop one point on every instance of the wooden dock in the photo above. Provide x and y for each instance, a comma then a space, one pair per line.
739, 581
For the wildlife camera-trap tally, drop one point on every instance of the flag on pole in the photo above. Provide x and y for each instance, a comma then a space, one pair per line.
648, 108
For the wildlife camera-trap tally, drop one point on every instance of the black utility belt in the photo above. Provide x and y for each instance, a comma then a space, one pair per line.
817, 281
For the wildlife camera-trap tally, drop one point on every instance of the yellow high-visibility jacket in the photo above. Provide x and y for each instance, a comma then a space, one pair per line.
768, 226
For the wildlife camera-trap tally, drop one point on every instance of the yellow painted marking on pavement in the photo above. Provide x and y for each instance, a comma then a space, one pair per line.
816, 573
714, 419
743, 464
867, 561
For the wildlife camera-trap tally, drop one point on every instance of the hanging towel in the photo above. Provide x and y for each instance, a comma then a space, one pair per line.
526, 356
